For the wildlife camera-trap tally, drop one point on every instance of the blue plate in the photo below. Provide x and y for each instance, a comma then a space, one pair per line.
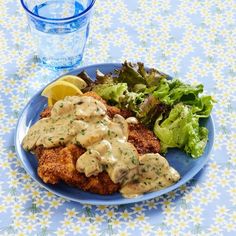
184, 164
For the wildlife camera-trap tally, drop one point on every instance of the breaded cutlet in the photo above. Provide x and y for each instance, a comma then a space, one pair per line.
58, 163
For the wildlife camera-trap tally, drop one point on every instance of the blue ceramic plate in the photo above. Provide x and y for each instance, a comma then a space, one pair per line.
185, 165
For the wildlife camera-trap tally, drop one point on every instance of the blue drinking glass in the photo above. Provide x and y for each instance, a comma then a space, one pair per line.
60, 30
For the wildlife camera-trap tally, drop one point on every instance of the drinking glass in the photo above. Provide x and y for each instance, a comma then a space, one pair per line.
60, 29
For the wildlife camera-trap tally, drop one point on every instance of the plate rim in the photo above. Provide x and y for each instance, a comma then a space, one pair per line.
141, 198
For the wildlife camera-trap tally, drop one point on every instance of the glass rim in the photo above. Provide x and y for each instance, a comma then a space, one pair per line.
57, 19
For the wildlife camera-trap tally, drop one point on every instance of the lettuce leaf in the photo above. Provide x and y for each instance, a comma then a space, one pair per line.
173, 91
181, 129
103, 78
111, 92
132, 101
150, 109
133, 74
169, 107
202, 106
129, 74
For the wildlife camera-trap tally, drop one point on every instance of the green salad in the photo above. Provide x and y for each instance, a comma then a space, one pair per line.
169, 107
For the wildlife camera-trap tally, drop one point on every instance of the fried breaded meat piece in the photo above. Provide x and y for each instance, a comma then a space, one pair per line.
143, 139
58, 164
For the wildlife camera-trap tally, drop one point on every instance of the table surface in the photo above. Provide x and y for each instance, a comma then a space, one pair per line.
191, 40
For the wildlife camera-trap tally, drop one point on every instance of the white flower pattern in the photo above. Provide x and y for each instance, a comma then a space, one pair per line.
191, 40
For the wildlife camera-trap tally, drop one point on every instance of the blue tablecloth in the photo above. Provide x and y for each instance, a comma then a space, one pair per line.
191, 40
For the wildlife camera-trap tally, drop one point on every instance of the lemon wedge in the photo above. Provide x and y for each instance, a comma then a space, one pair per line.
75, 80
51, 102
59, 90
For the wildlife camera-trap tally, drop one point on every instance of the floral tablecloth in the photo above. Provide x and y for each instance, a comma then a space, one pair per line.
192, 40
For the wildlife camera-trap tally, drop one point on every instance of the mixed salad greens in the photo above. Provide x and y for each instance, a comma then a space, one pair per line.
169, 107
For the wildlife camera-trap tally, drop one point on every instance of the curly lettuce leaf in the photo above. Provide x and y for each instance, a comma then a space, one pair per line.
152, 76
129, 74
174, 91
197, 140
103, 78
202, 106
111, 92
170, 107
133, 74
132, 101
150, 109
181, 129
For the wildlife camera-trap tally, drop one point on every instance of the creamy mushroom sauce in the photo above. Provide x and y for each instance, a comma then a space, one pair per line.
84, 121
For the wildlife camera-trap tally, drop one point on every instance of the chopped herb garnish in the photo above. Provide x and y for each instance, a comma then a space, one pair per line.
120, 150
143, 170
104, 122
77, 143
82, 131
134, 160
109, 152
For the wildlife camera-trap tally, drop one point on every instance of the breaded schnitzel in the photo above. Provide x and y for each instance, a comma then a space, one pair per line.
58, 163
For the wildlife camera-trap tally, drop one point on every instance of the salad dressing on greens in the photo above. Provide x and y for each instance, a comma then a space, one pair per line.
83, 121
